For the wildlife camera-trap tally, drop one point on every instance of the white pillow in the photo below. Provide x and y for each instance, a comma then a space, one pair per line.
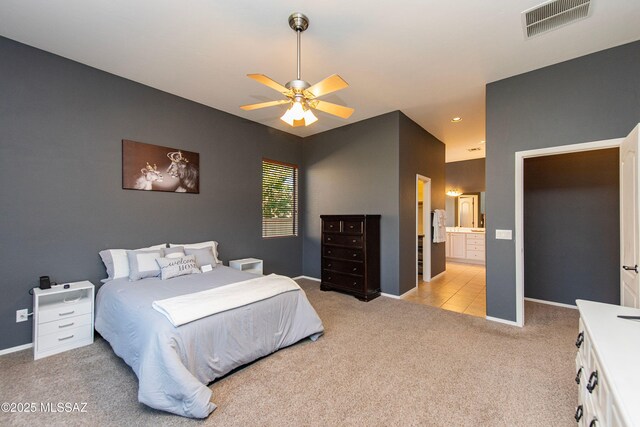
117, 263
201, 245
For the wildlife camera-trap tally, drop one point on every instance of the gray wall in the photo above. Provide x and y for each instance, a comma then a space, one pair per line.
420, 153
61, 124
595, 97
353, 170
570, 255
467, 176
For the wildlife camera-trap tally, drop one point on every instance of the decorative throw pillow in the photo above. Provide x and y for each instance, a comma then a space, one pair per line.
142, 264
174, 267
201, 245
174, 252
117, 263
203, 256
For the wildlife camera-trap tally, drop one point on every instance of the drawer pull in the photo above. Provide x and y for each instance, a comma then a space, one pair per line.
578, 375
328, 265
355, 255
331, 226
67, 313
580, 339
329, 252
594, 422
328, 239
329, 278
355, 268
593, 381
579, 413
72, 300
66, 338
67, 325
355, 283
353, 241
351, 226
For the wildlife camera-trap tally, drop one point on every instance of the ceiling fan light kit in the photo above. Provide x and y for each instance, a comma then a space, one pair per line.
302, 97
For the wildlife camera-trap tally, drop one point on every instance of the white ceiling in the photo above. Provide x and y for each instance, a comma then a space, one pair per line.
429, 59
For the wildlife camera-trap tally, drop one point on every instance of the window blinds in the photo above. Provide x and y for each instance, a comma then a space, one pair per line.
279, 199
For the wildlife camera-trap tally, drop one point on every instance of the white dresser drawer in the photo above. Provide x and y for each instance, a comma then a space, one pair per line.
64, 324
63, 339
479, 255
62, 310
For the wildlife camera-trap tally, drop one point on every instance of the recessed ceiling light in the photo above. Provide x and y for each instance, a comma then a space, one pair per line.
456, 120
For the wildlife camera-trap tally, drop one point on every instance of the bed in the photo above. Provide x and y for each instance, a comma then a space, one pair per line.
175, 364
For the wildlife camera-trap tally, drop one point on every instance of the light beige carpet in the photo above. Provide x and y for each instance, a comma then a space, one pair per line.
386, 362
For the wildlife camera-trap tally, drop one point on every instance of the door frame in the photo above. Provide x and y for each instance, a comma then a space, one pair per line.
426, 224
519, 204
475, 212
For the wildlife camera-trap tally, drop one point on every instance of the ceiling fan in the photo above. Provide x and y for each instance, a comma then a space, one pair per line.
301, 96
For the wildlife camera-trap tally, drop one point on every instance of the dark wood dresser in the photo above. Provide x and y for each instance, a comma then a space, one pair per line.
351, 255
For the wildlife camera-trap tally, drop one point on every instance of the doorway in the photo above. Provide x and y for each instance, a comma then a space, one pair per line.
468, 211
519, 208
423, 229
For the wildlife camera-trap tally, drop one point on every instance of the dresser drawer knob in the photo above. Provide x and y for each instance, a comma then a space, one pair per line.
67, 313
328, 239
355, 255
593, 381
331, 226
351, 226
355, 283
580, 339
66, 326
65, 338
329, 278
328, 265
579, 413
355, 268
354, 240
578, 375
329, 252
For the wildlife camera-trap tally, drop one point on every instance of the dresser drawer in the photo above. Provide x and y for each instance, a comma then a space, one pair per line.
344, 266
63, 310
342, 240
472, 246
66, 338
342, 280
343, 253
478, 255
352, 227
331, 226
64, 324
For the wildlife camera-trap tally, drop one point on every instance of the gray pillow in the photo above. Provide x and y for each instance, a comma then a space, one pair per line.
174, 252
174, 267
142, 264
203, 256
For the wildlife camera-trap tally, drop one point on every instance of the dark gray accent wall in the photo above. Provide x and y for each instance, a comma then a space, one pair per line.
572, 227
591, 98
467, 176
420, 153
61, 126
353, 170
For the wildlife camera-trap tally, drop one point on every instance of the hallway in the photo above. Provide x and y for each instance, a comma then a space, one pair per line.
461, 288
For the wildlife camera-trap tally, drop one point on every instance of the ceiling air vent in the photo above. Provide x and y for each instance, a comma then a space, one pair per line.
474, 149
553, 14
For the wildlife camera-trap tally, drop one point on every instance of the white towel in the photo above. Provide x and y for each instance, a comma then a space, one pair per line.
439, 226
187, 308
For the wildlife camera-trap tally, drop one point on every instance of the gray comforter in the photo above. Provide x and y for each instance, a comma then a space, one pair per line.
174, 364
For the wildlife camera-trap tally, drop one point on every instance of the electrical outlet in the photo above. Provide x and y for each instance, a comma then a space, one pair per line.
22, 315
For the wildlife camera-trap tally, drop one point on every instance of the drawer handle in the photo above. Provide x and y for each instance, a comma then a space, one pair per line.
351, 226
66, 338
354, 240
67, 313
331, 226
72, 300
67, 325
328, 265
593, 381
594, 422
328, 239
355, 268
578, 375
329, 278
579, 413
580, 339
355, 255
329, 252
355, 283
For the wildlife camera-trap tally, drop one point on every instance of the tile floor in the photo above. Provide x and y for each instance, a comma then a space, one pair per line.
462, 288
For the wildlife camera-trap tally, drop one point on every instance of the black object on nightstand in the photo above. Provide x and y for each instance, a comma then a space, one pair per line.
351, 255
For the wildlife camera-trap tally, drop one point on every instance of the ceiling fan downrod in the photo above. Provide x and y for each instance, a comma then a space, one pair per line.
298, 23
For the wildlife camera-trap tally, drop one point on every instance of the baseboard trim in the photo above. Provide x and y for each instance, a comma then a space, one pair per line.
557, 304
503, 321
307, 277
395, 296
17, 348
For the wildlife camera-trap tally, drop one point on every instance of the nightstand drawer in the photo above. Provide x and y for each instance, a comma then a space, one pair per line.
64, 324
63, 310
64, 338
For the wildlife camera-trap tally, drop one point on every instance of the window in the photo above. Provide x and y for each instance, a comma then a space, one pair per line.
279, 199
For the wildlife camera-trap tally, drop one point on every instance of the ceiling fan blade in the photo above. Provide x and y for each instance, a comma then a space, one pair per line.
326, 86
267, 81
335, 109
264, 104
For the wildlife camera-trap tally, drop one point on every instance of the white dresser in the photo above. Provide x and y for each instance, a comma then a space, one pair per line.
63, 318
607, 369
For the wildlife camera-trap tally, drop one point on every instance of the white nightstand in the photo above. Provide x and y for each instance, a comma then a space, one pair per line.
62, 318
250, 265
